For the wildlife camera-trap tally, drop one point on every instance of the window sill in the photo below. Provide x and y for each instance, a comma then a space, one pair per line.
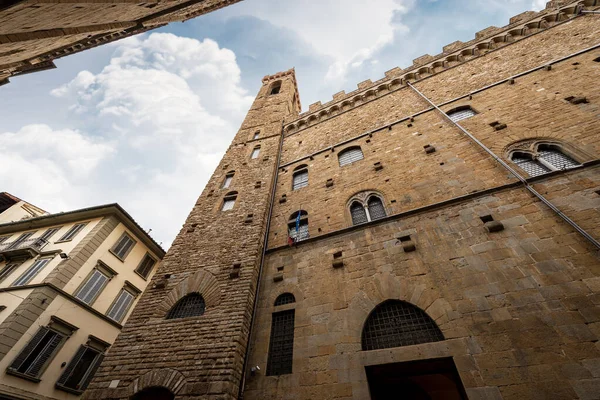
63, 241
68, 389
142, 276
115, 254
10, 371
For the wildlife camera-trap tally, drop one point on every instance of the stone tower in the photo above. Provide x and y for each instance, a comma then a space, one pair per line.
218, 255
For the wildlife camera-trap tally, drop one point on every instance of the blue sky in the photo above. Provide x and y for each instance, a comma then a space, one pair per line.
144, 121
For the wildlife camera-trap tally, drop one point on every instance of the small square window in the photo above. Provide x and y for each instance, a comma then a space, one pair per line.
123, 246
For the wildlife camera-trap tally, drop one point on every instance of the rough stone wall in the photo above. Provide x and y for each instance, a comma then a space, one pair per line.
518, 308
202, 357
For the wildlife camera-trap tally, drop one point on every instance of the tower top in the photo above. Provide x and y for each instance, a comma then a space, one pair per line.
280, 75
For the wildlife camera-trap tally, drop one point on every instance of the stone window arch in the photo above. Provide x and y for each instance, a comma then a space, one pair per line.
350, 155
300, 177
275, 88
285, 298
229, 201
298, 227
539, 157
460, 113
191, 305
154, 393
366, 207
396, 323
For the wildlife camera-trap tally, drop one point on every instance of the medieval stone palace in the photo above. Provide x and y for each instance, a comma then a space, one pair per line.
431, 235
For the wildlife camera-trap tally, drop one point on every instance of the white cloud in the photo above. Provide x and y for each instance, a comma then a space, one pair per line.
165, 107
538, 5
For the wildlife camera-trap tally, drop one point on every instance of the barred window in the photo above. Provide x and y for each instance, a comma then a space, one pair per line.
123, 246
191, 305
71, 233
298, 226
366, 207
145, 266
397, 323
285, 298
31, 272
556, 158
544, 159
300, 178
359, 215
81, 369
37, 353
350, 155
121, 305
376, 209
461, 113
529, 165
281, 344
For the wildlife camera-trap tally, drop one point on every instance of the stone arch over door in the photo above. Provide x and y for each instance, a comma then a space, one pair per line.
165, 378
386, 286
202, 282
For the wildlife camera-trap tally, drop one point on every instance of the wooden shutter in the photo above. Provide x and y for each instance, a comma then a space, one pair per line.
36, 367
31, 272
91, 372
351, 155
300, 180
120, 306
7, 270
71, 367
29, 347
90, 289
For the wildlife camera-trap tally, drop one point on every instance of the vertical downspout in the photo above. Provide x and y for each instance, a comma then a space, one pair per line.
262, 262
568, 220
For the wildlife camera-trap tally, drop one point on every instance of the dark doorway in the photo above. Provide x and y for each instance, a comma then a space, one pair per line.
435, 379
154, 393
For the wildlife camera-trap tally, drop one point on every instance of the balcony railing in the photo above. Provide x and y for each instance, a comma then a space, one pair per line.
27, 247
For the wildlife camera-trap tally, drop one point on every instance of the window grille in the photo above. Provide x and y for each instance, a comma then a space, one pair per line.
191, 305
81, 369
90, 290
459, 115
146, 266
227, 181
359, 215
397, 324
71, 233
302, 233
7, 270
376, 209
529, 165
31, 272
281, 344
349, 156
120, 306
255, 152
36, 354
300, 179
122, 248
557, 159
20, 240
285, 298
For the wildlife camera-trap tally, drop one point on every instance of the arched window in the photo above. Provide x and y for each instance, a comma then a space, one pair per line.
300, 177
285, 298
228, 179
255, 152
350, 155
229, 201
191, 305
543, 159
366, 207
275, 88
461, 113
396, 323
298, 227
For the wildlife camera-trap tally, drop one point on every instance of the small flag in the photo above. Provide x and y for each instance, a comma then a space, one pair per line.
298, 222
291, 241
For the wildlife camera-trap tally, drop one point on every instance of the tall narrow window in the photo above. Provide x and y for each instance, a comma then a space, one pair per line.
81, 369
275, 88
298, 227
300, 177
71, 233
37, 353
191, 305
228, 179
7, 270
256, 135
31, 272
123, 246
397, 323
121, 305
255, 152
229, 201
146, 266
359, 215
281, 344
89, 291
460, 113
20, 240
45, 238
350, 155
376, 209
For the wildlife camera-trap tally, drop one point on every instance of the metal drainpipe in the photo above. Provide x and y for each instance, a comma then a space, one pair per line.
568, 220
590, 12
262, 262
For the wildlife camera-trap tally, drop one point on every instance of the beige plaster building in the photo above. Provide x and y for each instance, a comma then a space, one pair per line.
14, 209
68, 282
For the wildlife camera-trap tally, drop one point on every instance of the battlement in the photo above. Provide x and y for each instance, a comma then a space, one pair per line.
486, 40
279, 75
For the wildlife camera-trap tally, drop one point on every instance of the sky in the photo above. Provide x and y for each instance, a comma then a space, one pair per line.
144, 121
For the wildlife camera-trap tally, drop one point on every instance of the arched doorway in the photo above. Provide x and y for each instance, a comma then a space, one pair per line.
154, 393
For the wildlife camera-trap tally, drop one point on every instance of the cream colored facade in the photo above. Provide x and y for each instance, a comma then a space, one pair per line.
14, 209
61, 298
